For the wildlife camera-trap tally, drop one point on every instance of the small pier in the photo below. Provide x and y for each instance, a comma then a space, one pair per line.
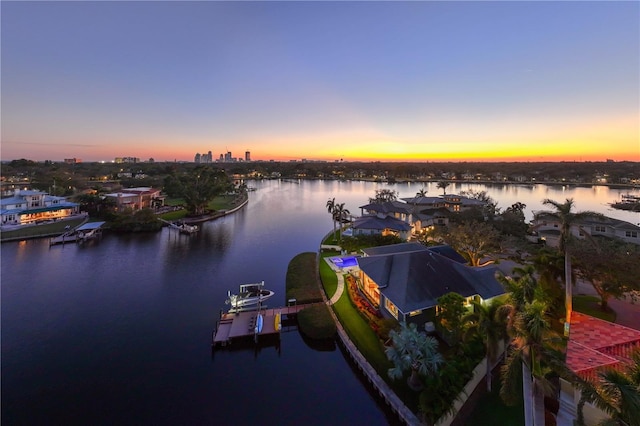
82, 233
241, 325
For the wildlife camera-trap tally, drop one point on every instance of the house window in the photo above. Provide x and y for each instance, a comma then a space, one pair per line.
414, 313
393, 309
600, 228
632, 234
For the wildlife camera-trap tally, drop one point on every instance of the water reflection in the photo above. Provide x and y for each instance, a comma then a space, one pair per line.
119, 332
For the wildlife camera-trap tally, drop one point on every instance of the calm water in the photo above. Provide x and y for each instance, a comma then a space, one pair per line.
118, 331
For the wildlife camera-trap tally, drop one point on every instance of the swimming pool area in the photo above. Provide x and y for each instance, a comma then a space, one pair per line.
345, 262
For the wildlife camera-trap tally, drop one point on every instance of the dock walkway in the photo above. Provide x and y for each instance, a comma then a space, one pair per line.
236, 325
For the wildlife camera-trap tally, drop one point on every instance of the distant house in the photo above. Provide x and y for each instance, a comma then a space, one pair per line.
137, 198
29, 206
381, 225
422, 212
396, 209
404, 281
548, 228
451, 202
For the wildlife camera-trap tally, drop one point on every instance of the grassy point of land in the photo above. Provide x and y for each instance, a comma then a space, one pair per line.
302, 284
221, 202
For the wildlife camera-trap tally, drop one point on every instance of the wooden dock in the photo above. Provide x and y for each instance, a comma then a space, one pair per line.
241, 325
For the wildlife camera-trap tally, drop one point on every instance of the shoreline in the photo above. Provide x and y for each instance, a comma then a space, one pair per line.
203, 219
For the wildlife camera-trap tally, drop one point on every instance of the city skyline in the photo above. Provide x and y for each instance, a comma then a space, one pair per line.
353, 81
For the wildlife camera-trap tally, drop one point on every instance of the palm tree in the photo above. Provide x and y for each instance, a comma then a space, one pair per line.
415, 351
340, 214
531, 354
422, 193
486, 322
443, 185
567, 218
521, 287
331, 206
533, 343
617, 393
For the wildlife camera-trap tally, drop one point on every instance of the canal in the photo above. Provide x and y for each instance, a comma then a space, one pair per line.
118, 331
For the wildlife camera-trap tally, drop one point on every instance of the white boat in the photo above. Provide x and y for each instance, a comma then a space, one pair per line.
187, 229
249, 296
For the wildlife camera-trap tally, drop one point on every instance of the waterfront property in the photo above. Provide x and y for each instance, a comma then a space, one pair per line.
381, 225
137, 198
30, 207
404, 281
548, 228
419, 213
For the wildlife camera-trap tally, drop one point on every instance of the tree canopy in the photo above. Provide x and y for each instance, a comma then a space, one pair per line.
612, 267
415, 351
384, 195
474, 240
198, 187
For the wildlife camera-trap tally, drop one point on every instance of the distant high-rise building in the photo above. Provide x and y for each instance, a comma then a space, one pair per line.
126, 160
247, 156
228, 157
197, 158
209, 157
221, 158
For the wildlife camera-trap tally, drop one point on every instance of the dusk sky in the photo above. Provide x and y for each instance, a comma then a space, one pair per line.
389, 81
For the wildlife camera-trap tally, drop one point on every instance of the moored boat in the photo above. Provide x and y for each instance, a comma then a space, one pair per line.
249, 297
629, 202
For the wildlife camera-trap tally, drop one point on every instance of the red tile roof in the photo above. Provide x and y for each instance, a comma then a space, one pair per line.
595, 344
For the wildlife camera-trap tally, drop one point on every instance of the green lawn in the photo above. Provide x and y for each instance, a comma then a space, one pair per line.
363, 336
590, 305
222, 202
302, 280
327, 276
45, 229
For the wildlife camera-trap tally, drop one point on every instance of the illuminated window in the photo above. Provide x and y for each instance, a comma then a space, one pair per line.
391, 308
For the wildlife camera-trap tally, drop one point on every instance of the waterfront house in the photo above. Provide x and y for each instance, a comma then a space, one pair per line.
137, 198
30, 206
404, 281
422, 213
548, 228
451, 202
381, 225
396, 209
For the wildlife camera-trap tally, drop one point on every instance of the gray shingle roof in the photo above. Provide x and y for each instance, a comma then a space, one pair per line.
388, 207
394, 248
375, 222
415, 280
